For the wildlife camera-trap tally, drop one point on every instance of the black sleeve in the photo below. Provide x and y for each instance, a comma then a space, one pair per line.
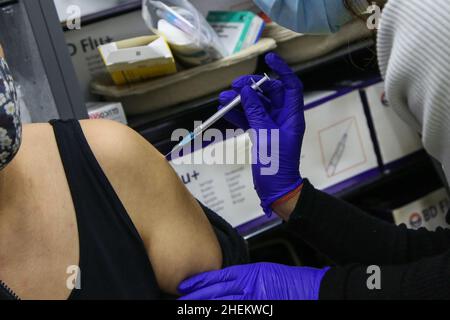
348, 235
422, 280
234, 247
413, 264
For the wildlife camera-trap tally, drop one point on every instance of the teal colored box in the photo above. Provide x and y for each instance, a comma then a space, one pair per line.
238, 30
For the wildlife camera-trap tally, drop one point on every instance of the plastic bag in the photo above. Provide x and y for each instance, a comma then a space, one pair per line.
191, 38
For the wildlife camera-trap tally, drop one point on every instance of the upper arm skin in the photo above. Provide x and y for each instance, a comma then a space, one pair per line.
179, 240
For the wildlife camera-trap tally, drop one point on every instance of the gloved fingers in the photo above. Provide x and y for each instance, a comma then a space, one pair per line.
237, 118
249, 80
272, 89
234, 116
257, 116
225, 97
293, 95
246, 80
275, 92
230, 298
290, 80
206, 279
215, 291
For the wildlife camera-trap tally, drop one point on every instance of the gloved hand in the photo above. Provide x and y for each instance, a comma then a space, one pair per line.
261, 281
280, 107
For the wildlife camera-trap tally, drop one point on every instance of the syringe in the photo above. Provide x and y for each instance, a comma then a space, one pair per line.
216, 117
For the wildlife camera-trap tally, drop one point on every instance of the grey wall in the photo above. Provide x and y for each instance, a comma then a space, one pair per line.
23, 57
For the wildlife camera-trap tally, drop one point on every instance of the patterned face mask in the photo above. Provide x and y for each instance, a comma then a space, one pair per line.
10, 124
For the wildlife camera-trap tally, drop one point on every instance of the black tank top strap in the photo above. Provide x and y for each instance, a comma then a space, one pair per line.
113, 260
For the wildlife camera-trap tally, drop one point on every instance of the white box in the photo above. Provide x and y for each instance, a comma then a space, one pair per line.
83, 44
138, 59
237, 30
428, 212
395, 137
108, 110
226, 189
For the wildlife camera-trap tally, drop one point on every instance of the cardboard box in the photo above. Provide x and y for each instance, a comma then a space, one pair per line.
185, 85
238, 30
83, 44
137, 59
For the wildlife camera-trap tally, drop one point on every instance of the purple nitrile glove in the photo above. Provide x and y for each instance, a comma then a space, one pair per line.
280, 107
261, 281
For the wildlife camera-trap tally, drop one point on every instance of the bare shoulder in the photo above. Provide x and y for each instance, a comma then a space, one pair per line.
120, 150
38, 139
116, 141
130, 162
109, 138
178, 237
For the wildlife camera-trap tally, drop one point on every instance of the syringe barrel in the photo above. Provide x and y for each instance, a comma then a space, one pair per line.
218, 115
222, 112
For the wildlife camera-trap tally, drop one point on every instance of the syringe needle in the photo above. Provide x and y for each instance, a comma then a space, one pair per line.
216, 117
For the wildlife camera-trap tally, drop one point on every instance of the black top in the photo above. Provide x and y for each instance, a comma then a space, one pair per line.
113, 260
415, 264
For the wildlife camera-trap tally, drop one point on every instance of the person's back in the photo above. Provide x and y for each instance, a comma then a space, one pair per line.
59, 208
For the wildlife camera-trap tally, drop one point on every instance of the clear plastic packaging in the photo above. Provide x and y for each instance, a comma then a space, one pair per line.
192, 39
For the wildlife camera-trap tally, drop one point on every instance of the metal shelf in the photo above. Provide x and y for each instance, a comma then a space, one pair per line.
141, 122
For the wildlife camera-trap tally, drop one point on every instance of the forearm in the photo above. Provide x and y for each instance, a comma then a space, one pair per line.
348, 235
425, 279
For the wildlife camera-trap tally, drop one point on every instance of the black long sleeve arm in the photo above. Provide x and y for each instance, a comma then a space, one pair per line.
346, 234
414, 264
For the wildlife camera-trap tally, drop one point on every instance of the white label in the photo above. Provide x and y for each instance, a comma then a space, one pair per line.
226, 189
112, 111
428, 212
